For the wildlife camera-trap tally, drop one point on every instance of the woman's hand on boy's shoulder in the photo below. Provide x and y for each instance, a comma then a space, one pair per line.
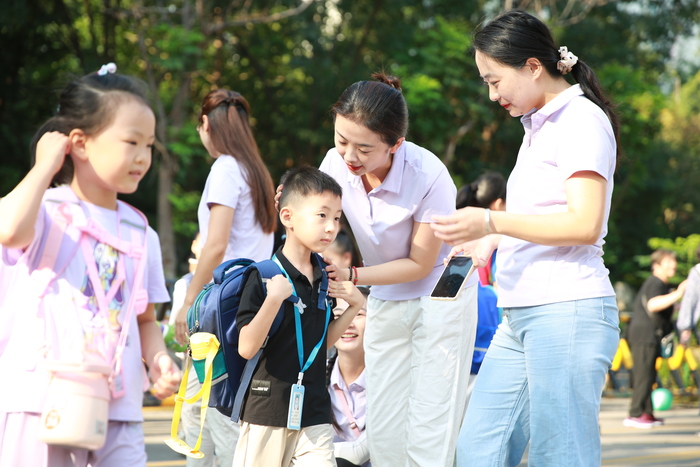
335, 273
278, 288
51, 150
347, 291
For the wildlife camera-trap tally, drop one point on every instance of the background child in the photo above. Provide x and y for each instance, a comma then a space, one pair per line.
487, 191
220, 434
310, 211
346, 385
181, 285
342, 251
106, 128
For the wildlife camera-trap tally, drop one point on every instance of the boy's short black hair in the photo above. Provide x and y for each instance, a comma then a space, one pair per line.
304, 181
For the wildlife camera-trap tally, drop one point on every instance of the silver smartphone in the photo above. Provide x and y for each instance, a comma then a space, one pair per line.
453, 277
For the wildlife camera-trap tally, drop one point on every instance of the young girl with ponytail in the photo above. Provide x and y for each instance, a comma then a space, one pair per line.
543, 374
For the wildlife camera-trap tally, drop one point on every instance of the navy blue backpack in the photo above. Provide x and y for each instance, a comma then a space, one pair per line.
215, 310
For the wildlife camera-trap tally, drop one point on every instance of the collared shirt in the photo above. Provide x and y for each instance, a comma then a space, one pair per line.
356, 397
417, 187
267, 400
569, 134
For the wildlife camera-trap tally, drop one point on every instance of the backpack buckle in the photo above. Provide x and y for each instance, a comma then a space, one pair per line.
140, 301
95, 230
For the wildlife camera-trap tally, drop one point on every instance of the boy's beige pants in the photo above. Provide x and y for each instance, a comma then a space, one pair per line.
265, 446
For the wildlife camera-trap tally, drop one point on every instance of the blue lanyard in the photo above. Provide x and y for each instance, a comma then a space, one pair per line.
297, 321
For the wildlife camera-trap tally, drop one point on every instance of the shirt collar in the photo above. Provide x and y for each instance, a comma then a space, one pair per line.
294, 273
534, 120
337, 380
393, 179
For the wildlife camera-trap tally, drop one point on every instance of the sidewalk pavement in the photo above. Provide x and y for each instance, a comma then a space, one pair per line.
675, 444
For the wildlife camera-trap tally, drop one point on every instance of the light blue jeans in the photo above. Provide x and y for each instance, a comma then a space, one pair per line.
541, 381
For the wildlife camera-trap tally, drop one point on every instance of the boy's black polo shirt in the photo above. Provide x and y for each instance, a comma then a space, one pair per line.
267, 400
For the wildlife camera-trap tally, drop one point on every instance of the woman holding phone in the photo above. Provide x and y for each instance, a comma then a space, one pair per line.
560, 320
418, 350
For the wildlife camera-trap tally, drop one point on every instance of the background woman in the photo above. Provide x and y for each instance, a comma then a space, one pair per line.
560, 319
237, 218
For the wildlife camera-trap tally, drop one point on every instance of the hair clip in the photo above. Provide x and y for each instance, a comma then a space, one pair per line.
110, 68
567, 62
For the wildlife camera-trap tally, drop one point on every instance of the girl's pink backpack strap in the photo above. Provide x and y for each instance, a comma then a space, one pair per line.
138, 250
61, 216
138, 299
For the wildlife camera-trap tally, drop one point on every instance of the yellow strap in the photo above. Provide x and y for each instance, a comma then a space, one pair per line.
202, 345
623, 356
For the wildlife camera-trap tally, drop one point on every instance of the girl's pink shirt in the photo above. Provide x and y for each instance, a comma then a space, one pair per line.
21, 347
569, 134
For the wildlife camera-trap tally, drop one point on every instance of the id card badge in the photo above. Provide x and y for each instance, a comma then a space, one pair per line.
296, 403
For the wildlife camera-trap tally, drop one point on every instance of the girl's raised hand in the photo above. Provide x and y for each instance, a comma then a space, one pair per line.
51, 150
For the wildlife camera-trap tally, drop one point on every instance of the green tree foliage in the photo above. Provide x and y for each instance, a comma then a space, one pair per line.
293, 58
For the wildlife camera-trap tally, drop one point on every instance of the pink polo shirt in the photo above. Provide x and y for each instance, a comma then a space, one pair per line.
417, 187
569, 134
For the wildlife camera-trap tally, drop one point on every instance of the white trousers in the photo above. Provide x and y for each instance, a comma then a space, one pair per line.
418, 355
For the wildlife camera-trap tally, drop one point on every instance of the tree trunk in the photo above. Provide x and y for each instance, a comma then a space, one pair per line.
165, 215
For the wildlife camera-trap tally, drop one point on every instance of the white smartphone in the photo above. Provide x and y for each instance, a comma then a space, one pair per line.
453, 277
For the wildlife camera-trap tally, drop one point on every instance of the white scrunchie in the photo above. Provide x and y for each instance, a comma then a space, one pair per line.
110, 68
567, 62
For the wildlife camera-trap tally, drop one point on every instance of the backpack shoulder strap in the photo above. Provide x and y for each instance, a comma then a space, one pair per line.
323, 291
57, 203
267, 269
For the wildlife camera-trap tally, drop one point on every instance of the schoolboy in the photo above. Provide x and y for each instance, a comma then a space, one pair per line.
310, 209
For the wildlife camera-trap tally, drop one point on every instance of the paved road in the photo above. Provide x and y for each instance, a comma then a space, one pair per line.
675, 444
